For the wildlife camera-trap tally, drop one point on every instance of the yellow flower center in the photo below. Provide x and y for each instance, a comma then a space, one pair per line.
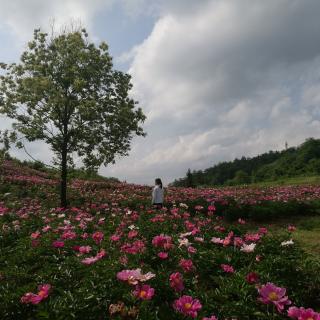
188, 306
273, 296
143, 293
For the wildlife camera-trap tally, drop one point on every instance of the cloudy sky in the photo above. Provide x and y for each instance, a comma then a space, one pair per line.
217, 79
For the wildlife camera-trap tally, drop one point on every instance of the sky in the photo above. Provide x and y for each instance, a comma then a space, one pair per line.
217, 79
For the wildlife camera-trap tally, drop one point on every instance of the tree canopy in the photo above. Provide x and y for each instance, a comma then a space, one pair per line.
65, 92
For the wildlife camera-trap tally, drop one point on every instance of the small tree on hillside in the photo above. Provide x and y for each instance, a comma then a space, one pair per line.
64, 91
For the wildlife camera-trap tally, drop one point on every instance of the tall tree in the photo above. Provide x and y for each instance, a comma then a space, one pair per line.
65, 91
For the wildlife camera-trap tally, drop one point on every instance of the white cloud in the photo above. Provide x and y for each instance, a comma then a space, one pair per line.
21, 17
222, 80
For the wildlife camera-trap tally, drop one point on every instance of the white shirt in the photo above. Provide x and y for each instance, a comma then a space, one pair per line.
157, 194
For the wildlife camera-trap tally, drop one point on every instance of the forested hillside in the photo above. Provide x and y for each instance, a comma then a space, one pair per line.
303, 160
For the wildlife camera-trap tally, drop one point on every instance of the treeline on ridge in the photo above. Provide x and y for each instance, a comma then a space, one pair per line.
303, 160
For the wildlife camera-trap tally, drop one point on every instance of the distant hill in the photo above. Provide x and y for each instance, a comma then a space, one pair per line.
13, 166
303, 160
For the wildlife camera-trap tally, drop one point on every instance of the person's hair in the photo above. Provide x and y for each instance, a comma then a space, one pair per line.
159, 182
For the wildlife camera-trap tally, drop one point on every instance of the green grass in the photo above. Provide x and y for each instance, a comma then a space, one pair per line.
288, 181
307, 233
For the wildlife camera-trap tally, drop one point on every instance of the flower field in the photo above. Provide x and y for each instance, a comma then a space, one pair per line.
113, 256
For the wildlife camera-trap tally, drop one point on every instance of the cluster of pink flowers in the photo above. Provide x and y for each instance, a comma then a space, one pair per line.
90, 260
137, 246
43, 293
162, 241
303, 314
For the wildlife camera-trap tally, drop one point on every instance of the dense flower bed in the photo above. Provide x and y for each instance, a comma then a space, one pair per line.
106, 261
113, 256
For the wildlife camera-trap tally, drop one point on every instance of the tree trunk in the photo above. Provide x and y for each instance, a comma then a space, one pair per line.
63, 192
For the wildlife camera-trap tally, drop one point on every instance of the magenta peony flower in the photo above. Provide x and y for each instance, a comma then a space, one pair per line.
227, 268
42, 294
186, 265
162, 241
35, 235
163, 255
58, 244
176, 281
90, 260
84, 249
115, 237
144, 292
271, 294
187, 306
97, 237
303, 314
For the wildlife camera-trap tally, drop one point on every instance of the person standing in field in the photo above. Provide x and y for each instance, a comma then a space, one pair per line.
157, 194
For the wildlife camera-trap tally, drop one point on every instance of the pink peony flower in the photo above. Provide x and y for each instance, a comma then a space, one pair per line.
271, 294
192, 249
134, 276
227, 268
162, 241
42, 294
132, 234
303, 314
115, 237
176, 281
144, 292
35, 235
187, 306
186, 265
211, 318
97, 257
69, 235
84, 249
98, 237
163, 255
58, 244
